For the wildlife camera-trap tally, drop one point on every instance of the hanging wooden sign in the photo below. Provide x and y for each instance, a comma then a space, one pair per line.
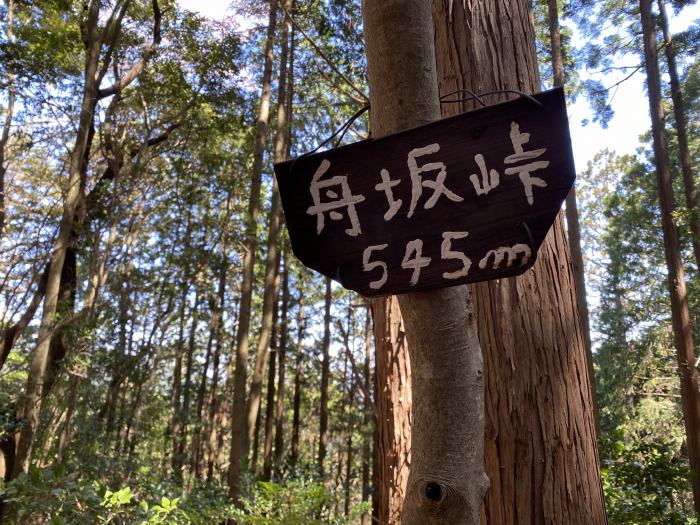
463, 199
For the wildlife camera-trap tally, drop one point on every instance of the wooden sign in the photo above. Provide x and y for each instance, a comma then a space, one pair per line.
464, 199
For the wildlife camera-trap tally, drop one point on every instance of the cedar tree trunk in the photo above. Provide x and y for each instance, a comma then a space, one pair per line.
682, 331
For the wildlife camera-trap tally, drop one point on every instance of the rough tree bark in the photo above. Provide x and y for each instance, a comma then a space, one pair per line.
238, 406
573, 229
446, 481
540, 448
691, 192
393, 405
682, 328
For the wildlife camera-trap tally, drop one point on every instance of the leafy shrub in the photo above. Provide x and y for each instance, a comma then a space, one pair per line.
49, 496
645, 483
298, 502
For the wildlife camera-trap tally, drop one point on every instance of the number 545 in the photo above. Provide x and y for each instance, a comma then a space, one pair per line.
413, 259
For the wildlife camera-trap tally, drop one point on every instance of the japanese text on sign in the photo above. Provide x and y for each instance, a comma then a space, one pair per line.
465, 199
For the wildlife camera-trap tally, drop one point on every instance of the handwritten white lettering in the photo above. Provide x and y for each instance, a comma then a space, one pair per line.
490, 179
509, 255
518, 139
347, 200
417, 182
447, 253
386, 186
417, 262
369, 266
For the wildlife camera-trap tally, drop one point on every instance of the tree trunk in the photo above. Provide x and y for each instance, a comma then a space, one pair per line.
72, 200
176, 390
690, 395
691, 193
9, 112
273, 228
107, 413
238, 406
540, 430
325, 372
10, 334
572, 218
296, 403
67, 427
270, 407
368, 412
347, 482
256, 445
187, 390
446, 481
197, 438
284, 335
282, 365
392, 452
214, 399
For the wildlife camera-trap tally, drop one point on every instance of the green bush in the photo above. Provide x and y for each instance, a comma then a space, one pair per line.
49, 496
298, 502
645, 483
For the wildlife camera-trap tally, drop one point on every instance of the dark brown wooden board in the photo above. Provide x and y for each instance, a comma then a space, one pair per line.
495, 221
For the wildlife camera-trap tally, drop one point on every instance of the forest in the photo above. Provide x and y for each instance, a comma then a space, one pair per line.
166, 359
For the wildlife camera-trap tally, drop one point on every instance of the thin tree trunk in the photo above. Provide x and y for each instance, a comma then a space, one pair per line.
282, 365
197, 438
214, 399
347, 482
72, 200
239, 432
10, 334
256, 445
286, 143
691, 193
572, 217
108, 411
187, 390
540, 430
270, 406
325, 372
273, 229
682, 330
296, 403
176, 390
67, 427
368, 411
9, 112
446, 481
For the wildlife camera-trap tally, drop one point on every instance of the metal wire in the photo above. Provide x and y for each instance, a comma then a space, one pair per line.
474, 96
342, 130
